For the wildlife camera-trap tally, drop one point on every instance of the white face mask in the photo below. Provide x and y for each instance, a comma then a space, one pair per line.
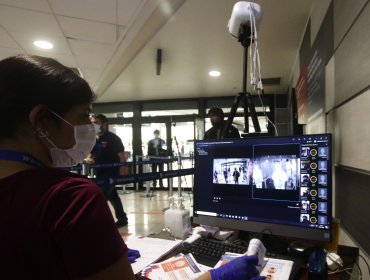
85, 140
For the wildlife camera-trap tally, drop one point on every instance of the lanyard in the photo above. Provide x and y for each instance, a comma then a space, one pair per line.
20, 157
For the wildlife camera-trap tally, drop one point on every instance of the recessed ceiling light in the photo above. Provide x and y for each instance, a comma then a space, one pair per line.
43, 45
214, 73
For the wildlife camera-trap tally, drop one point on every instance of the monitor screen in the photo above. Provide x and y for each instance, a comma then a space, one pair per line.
279, 184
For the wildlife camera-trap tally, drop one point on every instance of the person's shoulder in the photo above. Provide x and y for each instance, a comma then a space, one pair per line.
110, 134
67, 178
234, 129
50, 174
73, 186
59, 181
207, 135
151, 144
209, 131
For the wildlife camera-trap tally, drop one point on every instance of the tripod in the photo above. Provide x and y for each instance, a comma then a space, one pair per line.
244, 38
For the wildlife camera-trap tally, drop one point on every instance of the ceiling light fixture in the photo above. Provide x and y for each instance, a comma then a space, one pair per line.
43, 45
214, 73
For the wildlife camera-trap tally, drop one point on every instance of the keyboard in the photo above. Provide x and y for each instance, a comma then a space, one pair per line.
208, 251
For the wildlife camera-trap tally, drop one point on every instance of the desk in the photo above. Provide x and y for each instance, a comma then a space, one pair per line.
348, 254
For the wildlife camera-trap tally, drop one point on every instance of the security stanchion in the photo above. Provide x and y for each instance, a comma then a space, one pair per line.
136, 177
179, 178
137, 168
85, 169
170, 185
124, 191
145, 168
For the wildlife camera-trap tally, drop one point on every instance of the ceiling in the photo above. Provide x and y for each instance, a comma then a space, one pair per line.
114, 43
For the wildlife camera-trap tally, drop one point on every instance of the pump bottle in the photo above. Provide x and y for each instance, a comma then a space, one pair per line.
177, 218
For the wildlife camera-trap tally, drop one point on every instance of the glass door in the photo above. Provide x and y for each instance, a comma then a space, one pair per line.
147, 134
148, 131
124, 131
183, 145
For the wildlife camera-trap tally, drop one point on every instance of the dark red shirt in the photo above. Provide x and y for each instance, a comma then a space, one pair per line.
55, 225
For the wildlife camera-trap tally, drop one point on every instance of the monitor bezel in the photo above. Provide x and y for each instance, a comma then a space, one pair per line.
278, 229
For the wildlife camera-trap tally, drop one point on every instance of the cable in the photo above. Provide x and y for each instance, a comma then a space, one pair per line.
359, 270
265, 114
368, 268
255, 64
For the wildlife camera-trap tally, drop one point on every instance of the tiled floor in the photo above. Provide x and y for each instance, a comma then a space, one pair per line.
146, 213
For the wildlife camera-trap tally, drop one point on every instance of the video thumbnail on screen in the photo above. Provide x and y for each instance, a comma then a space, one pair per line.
279, 172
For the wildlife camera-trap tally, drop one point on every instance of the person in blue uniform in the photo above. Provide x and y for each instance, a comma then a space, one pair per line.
109, 149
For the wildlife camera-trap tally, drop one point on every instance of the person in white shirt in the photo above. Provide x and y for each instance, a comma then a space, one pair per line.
279, 177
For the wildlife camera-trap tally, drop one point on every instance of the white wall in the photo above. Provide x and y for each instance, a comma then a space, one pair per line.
347, 98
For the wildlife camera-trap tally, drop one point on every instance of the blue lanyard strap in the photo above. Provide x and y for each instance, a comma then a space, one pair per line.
20, 157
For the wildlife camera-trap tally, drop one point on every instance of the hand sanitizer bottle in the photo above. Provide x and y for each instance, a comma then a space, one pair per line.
170, 214
186, 220
183, 225
177, 219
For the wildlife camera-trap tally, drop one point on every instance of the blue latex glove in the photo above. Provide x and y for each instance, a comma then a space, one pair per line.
133, 255
241, 268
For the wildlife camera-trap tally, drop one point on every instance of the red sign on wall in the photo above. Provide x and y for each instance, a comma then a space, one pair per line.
301, 92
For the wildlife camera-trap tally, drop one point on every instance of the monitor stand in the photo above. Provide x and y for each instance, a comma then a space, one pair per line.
301, 249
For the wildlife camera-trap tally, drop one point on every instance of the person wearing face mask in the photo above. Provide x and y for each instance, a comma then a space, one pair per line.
108, 150
216, 116
54, 224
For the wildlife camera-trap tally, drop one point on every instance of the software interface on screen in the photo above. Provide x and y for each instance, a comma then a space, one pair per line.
274, 180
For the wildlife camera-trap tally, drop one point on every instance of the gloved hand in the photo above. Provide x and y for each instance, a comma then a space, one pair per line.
241, 268
133, 255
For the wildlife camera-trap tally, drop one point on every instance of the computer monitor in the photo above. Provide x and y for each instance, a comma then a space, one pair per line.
277, 185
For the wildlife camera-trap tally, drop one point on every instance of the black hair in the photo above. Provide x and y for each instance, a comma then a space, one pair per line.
216, 111
156, 131
100, 117
28, 80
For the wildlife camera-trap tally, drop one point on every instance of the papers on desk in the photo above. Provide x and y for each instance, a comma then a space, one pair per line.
181, 267
184, 267
151, 250
277, 269
273, 269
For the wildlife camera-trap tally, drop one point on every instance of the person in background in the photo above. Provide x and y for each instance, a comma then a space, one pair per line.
322, 193
322, 152
279, 176
216, 116
322, 165
236, 175
322, 179
257, 175
156, 149
108, 149
225, 174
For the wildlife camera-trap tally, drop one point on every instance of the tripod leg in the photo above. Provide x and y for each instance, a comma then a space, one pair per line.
232, 114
